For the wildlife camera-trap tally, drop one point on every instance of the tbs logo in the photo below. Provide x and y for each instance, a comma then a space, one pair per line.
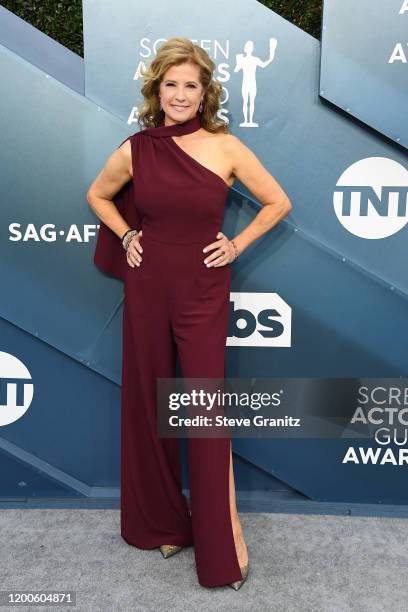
259, 319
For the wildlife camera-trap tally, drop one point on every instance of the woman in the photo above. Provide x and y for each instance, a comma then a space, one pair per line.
161, 197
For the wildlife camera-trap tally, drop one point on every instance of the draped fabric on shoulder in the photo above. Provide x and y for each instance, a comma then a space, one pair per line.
110, 256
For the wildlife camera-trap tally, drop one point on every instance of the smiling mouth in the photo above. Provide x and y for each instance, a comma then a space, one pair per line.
178, 107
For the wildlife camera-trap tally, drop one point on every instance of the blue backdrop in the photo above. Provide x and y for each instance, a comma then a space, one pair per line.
334, 270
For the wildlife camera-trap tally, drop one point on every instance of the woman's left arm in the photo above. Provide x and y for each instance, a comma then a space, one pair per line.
275, 202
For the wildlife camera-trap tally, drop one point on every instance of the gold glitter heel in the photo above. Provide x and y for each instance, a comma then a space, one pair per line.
167, 550
238, 584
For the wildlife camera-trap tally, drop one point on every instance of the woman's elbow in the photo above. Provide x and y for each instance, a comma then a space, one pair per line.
286, 204
89, 197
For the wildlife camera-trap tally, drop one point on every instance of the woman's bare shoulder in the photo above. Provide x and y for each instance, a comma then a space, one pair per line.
225, 140
228, 142
231, 142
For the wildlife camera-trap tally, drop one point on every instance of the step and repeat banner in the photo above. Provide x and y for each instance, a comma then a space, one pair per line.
318, 306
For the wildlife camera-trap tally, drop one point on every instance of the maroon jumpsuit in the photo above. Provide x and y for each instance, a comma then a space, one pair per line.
174, 305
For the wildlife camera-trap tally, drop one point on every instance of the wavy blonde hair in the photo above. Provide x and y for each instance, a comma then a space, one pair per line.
175, 51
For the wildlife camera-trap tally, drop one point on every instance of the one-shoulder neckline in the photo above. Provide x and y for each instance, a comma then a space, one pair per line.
194, 160
180, 129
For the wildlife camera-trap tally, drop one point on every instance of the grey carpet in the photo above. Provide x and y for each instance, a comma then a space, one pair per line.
298, 563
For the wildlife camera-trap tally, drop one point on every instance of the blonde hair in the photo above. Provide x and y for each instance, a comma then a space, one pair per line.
175, 51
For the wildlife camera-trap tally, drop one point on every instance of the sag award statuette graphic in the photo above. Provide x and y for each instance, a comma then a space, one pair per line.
248, 63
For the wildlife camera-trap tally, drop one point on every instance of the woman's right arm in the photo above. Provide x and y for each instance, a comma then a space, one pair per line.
116, 172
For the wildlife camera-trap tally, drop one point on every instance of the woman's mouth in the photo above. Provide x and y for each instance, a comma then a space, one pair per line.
179, 108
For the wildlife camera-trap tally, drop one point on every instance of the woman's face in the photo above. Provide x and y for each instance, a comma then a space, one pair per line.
180, 93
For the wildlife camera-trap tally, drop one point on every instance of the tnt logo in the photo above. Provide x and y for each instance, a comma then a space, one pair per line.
370, 200
16, 392
259, 319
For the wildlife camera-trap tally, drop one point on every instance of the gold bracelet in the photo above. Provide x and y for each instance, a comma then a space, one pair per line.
235, 247
128, 237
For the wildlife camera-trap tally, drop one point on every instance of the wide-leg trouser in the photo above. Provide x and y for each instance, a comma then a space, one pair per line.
174, 305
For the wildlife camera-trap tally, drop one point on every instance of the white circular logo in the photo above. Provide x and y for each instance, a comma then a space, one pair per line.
16, 392
370, 199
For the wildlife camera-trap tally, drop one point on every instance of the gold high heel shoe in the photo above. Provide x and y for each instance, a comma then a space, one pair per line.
167, 550
238, 584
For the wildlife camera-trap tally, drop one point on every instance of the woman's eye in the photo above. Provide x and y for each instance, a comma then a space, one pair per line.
171, 85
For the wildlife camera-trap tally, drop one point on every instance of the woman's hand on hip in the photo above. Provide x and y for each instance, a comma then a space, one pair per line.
224, 254
134, 249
